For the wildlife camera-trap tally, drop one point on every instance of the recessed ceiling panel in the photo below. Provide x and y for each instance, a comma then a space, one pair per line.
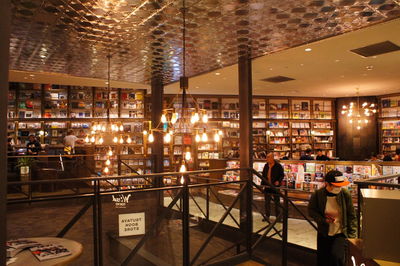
145, 37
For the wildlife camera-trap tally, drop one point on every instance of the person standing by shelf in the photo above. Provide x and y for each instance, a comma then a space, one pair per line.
69, 142
307, 156
273, 173
332, 209
33, 146
321, 156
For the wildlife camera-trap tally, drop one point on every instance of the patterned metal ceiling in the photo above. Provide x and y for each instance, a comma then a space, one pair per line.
145, 36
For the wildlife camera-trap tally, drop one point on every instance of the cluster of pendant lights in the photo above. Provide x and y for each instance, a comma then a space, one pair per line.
98, 130
170, 122
357, 113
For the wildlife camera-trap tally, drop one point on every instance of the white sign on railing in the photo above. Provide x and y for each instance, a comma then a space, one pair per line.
131, 224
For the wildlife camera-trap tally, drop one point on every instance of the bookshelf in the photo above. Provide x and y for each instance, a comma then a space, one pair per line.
389, 123
29, 100
81, 102
55, 101
100, 103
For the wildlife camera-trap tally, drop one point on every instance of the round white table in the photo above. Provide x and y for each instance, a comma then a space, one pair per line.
25, 258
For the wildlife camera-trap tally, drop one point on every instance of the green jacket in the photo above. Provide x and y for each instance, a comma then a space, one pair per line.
316, 209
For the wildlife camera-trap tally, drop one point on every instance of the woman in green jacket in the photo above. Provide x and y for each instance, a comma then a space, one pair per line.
332, 209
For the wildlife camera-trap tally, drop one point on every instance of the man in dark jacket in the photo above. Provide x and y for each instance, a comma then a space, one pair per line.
307, 156
332, 208
273, 173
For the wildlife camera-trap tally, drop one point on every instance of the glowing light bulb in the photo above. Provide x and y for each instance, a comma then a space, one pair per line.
204, 137
358, 127
87, 139
163, 118
205, 118
115, 139
145, 132
167, 138
197, 138
182, 180
121, 140
151, 138
182, 168
106, 170
174, 118
110, 153
121, 128
188, 156
344, 107
108, 162
372, 105
351, 121
220, 132
94, 128
374, 111
129, 140
364, 104
112, 127
217, 138
359, 121
196, 117
366, 121
101, 140
92, 139
103, 128
41, 133
192, 120
343, 112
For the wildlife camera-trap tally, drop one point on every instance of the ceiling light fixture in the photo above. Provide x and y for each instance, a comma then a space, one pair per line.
108, 133
184, 116
359, 113
308, 49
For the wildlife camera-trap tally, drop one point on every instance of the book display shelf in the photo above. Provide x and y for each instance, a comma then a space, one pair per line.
304, 177
285, 126
389, 123
49, 111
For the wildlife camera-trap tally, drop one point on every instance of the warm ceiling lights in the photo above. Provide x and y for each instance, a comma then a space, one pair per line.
308, 49
183, 116
358, 113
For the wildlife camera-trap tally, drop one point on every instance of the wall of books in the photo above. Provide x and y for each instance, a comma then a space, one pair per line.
49, 111
285, 126
389, 123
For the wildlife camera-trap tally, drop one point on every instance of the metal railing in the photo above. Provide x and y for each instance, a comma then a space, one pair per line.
251, 240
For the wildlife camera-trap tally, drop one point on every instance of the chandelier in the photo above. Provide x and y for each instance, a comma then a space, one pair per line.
108, 133
358, 113
183, 116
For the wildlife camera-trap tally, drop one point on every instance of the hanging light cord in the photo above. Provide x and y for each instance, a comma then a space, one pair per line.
184, 37
109, 87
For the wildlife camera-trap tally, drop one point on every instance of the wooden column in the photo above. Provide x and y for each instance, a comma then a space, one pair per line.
5, 17
157, 148
246, 148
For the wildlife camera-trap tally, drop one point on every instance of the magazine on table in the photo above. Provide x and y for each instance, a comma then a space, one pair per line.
51, 251
17, 245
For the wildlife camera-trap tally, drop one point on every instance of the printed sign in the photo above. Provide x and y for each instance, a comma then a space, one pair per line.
131, 224
121, 200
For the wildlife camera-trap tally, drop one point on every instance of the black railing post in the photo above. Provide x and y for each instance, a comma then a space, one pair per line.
208, 203
249, 213
95, 225
185, 222
285, 213
99, 224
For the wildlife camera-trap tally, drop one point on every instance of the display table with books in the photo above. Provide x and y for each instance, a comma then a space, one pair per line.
51, 251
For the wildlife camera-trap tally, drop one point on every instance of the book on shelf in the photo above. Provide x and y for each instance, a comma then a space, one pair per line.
51, 251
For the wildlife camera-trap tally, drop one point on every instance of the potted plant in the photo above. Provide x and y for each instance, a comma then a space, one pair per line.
24, 164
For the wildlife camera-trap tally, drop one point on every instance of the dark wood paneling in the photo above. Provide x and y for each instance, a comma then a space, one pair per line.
351, 143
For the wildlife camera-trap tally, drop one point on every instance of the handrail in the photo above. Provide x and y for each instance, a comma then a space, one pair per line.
119, 177
378, 178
